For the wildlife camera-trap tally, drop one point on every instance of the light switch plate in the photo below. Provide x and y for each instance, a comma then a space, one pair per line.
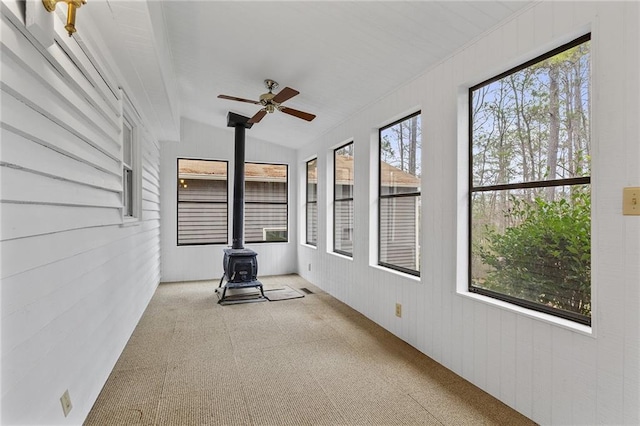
631, 201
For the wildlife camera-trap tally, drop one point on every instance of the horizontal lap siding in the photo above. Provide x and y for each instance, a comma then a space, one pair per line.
203, 191
343, 237
265, 208
202, 212
312, 223
398, 234
266, 192
74, 281
258, 217
200, 223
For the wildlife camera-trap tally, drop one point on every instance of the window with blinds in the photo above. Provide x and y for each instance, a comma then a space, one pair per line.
343, 168
399, 195
266, 190
312, 202
202, 202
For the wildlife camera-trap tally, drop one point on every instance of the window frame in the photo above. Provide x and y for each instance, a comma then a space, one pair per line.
308, 203
128, 173
226, 202
131, 196
582, 180
415, 194
286, 202
337, 200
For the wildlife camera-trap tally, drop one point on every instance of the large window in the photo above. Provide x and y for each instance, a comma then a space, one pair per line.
343, 200
399, 195
266, 198
530, 200
202, 202
312, 202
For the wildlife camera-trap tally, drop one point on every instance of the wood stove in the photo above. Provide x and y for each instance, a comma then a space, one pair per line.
240, 264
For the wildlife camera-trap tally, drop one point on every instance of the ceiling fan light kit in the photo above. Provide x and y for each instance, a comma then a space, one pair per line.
271, 102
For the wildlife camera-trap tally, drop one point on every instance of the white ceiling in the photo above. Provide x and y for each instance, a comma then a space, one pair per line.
340, 55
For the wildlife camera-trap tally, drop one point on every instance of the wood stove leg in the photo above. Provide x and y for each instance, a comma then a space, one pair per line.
224, 291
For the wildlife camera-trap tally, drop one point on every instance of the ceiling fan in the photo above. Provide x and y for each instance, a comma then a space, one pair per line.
272, 102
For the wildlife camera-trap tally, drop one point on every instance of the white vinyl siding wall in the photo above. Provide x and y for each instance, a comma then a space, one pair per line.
399, 231
343, 185
74, 280
311, 199
343, 225
266, 209
202, 212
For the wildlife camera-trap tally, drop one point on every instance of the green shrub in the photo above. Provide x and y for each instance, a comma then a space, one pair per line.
546, 258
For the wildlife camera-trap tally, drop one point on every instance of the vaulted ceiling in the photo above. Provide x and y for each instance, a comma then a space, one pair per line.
340, 55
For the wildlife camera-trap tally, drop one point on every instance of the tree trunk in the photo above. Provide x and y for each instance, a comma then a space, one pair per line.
413, 145
581, 122
401, 147
554, 128
570, 123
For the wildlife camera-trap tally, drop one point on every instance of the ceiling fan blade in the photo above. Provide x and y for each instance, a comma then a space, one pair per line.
284, 94
258, 116
299, 114
233, 98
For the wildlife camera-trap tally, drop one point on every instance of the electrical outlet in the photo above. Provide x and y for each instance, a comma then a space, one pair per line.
631, 201
399, 310
65, 400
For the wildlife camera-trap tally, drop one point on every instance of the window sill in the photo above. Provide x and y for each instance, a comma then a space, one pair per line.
130, 221
266, 242
309, 246
519, 310
341, 256
398, 273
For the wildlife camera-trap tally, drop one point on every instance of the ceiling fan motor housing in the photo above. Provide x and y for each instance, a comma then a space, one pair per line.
266, 97
266, 100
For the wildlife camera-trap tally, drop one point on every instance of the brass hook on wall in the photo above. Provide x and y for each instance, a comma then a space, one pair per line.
50, 5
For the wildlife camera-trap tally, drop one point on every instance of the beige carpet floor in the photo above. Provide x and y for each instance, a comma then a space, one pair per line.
307, 361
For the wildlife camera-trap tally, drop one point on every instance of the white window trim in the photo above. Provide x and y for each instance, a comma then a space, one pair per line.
462, 216
377, 159
331, 201
265, 230
130, 115
305, 195
228, 219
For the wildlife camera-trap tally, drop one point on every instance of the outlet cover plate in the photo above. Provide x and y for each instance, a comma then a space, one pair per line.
399, 310
65, 400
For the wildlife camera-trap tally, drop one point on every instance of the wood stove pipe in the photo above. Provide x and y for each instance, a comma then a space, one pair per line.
240, 123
